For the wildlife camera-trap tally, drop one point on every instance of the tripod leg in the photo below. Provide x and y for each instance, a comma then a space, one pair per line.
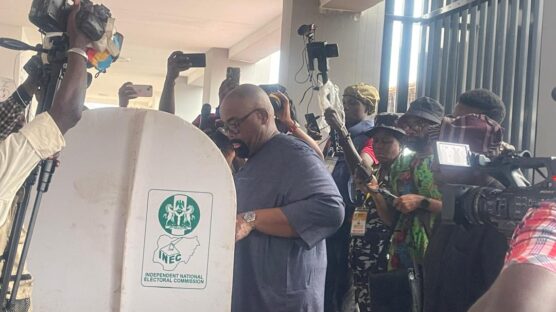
15, 235
47, 170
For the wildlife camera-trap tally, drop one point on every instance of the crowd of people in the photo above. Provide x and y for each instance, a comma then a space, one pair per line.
366, 235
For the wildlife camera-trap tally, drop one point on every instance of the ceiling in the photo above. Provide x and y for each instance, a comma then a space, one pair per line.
153, 29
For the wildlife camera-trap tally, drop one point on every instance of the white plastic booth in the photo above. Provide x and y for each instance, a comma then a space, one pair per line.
140, 216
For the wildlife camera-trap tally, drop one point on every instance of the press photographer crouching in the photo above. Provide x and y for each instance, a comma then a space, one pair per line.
462, 259
21, 151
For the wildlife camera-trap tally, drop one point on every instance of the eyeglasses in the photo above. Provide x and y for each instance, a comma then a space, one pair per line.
232, 126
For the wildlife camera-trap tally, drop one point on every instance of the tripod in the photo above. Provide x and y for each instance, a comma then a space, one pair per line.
52, 73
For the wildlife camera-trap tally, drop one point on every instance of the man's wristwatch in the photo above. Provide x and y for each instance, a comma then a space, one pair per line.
425, 203
250, 218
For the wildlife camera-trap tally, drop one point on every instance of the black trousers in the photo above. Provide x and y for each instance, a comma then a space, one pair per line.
337, 280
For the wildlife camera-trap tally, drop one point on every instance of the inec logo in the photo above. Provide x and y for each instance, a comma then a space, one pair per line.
179, 215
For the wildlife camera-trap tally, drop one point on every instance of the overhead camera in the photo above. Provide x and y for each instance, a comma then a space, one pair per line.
318, 50
503, 209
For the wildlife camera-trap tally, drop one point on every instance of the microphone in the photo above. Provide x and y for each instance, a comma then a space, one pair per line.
205, 117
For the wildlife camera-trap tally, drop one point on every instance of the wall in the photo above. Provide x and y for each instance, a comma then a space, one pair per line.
9, 61
359, 37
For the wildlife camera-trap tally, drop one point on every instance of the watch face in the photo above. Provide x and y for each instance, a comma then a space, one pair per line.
425, 203
249, 216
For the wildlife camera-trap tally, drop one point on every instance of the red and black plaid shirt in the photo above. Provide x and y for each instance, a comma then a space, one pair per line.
10, 110
534, 240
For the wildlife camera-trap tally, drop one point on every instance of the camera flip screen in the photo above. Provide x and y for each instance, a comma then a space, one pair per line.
452, 154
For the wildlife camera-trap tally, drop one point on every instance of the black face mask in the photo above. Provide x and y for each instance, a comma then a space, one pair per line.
242, 150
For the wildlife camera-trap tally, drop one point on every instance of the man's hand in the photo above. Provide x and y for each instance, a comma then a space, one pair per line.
243, 229
333, 120
363, 186
174, 67
76, 38
126, 93
408, 203
226, 87
285, 114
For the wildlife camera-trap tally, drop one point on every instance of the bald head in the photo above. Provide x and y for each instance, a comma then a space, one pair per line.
246, 98
248, 116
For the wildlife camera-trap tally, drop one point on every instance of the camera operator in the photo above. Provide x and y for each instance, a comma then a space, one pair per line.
360, 102
528, 281
21, 151
463, 260
482, 101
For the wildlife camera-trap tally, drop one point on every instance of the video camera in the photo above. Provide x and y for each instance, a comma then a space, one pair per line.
317, 50
277, 104
503, 209
52, 16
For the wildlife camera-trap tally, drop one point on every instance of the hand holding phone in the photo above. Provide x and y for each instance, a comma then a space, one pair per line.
179, 61
143, 90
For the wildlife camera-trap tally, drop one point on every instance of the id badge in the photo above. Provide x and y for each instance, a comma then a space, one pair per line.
330, 163
359, 223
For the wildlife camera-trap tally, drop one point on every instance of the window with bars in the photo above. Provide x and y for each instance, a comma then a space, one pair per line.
442, 48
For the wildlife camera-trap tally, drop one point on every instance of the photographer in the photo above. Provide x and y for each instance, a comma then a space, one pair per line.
21, 151
168, 97
463, 260
528, 281
125, 94
284, 118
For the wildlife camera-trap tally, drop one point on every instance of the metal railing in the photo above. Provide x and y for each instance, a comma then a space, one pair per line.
469, 44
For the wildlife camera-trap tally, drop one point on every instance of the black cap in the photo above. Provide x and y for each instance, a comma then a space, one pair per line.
387, 121
426, 108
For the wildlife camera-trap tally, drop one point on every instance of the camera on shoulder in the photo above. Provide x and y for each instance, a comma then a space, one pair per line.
501, 208
52, 16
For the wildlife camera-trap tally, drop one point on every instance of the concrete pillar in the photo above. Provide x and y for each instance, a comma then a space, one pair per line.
358, 35
215, 73
189, 99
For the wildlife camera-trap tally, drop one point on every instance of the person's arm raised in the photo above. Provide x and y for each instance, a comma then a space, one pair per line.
168, 97
68, 101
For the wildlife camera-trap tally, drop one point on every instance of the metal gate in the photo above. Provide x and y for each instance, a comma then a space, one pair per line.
464, 45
